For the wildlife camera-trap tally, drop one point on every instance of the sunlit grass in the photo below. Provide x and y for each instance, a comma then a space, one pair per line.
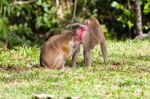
126, 75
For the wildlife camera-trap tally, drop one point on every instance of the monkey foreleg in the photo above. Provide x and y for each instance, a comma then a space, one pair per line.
75, 54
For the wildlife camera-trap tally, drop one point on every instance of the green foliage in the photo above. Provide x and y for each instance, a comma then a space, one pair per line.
5, 7
147, 7
126, 74
4, 27
26, 20
27, 23
5, 10
127, 16
45, 18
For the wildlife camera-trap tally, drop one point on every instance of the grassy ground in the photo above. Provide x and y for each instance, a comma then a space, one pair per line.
127, 74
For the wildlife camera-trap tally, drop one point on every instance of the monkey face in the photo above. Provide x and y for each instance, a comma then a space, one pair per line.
86, 22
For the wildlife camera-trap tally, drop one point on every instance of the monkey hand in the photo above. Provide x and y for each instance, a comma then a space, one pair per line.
73, 25
69, 25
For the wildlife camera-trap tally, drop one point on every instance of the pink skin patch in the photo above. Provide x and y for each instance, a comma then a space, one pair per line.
80, 31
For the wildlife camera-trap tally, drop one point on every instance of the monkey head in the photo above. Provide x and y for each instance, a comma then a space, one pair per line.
92, 23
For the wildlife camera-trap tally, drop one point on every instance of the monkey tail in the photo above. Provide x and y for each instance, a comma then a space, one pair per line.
104, 51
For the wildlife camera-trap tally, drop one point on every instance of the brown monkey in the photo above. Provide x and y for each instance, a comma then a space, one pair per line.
89, 35
57, 49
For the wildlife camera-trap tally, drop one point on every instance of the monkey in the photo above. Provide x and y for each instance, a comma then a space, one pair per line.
89, 35
56, 50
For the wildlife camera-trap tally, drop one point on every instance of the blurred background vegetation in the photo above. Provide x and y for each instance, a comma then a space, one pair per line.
31, 21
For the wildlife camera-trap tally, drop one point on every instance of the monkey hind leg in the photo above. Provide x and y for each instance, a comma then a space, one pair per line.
47, 61
42, 62
88, 58
104, 51
61, 67
59, 62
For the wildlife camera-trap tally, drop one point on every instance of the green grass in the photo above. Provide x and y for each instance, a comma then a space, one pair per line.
126, 75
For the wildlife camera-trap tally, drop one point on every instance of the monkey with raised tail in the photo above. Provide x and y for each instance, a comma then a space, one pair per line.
89, 35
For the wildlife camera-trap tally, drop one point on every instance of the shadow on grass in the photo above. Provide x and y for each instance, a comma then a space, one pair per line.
130, 62
11, 68
145, 58
18, 68
118, 63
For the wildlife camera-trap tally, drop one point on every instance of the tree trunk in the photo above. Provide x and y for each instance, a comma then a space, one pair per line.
74, 11
138, 18
139, 32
